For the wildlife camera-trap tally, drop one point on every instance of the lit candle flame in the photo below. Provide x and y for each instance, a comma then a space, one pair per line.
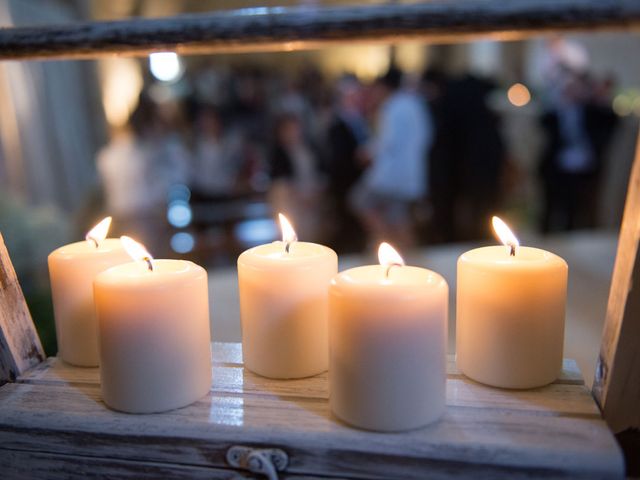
137, 251
288, 233
389, 257
505, 235
98, 233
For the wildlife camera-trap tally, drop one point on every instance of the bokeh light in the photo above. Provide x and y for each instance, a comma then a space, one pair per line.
179, 214
257, 231
182, 242
121, 80
622, 105
165, 66
519, 95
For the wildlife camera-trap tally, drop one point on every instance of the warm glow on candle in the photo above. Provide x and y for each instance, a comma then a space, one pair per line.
98, 233
288, 233
505, 235
389, 257
136, 250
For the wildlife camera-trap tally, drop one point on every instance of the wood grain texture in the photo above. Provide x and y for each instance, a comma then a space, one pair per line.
561, 397
20, 347
227, 359
279, 28
20, 465
499, 441
617, 378
554, 432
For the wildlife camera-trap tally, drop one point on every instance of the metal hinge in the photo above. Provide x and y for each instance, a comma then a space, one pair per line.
265, 461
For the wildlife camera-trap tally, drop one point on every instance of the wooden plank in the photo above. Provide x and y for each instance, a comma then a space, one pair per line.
21, 465
554, 399
570, 374
279, 28
617, 378
492, 442
566, 396
226, 353
20, 347
227, 359
230, 353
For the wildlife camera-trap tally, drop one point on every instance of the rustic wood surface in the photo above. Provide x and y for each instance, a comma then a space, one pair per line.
20, 347
617, 379
280, 28
54, 416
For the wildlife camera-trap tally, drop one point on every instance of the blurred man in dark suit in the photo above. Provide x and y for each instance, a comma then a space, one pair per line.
346, 137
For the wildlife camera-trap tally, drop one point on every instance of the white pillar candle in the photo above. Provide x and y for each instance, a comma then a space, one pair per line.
510, 313
155, 346
72, 269
283, 306
387, 339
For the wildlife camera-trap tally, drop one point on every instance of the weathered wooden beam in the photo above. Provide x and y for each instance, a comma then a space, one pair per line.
278, 28
20, 347
617, 379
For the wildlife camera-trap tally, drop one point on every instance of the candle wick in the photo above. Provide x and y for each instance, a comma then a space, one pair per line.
512, 253
149, 263
386, 275
287, 246
95, 242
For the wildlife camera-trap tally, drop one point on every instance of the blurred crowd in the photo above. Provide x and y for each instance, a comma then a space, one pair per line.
350, 163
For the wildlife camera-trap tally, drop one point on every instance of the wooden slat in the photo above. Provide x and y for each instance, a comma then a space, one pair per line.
20, 347
230, 353
21, 465
617, 379
565, 396
227, 365
570, 374
226, 353
278, 28
559, 398
492, 442
554, 431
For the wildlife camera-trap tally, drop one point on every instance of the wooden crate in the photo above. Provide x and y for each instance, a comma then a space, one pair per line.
53, 424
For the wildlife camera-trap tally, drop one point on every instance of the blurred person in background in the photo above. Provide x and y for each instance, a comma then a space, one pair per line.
293, 101
579, 126
442, 167
396, 177
296, 182
467, 159
217, 157
347, 137
303, 96
171, 157
137, 167
247, 105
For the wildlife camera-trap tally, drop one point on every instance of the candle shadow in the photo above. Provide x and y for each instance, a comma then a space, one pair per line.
53, 372
309, 393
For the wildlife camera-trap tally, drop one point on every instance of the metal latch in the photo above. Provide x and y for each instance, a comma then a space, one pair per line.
266, 461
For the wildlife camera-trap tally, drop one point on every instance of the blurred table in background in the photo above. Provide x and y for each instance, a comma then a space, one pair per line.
590, 256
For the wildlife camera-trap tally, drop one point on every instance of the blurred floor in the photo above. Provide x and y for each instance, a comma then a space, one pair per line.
590, 256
